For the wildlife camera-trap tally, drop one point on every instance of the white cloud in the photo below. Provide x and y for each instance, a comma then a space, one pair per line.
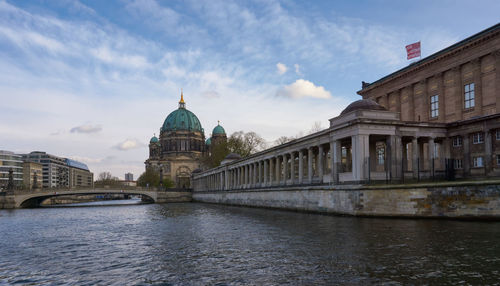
281, 68
129, 144
86, 128
303, 88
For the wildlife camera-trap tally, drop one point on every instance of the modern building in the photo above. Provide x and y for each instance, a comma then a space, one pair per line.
58, 172
181, 145
55, 170
10, 161
129, 177
436, 118
32, 175
79, 174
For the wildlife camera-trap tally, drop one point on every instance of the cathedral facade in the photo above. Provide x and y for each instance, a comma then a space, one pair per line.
180, 147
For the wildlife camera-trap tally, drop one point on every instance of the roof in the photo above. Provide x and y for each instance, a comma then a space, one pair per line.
433, 56
362, 104
182, 119
232, 156
218, 130
76, 164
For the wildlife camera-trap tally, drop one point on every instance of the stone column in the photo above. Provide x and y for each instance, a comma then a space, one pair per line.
496, 56
270, 171
285, 168
337, 157
256, 176
320, 163
265, 172
459, 95
252, 174
441, 111
222, 179
233, 178
396, 156
488, 152
247, 181
260, 173
415, 156
309, 164
360, 144
431, 156
239, 177
278, 170
354, 157
301, 166
292, 167
466, 161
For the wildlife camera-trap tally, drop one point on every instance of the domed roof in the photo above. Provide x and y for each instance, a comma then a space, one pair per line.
363, 104
154, 139
218, 130
182, 119
232, 156
209, 141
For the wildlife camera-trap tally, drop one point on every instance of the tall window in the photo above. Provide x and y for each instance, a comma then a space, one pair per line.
478, 161
498, 134
457, 141
457, 163
498, 160
434, 106
478, 138
469, 95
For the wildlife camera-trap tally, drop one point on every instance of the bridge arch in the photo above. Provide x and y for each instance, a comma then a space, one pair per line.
33, 200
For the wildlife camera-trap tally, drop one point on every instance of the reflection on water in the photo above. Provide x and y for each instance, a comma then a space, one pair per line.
133, 201
199, 244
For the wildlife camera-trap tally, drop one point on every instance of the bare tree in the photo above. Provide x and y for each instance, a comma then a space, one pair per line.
245, 143
282, 140
315, 127
104, 176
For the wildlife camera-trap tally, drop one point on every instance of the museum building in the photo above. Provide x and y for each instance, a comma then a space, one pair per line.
436, 118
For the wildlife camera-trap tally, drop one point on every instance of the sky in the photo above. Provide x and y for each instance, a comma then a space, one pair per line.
94, 80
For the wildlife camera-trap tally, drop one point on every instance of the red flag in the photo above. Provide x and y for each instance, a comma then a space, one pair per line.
413, 50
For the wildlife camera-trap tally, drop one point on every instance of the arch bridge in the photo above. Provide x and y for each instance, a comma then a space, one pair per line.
30, 199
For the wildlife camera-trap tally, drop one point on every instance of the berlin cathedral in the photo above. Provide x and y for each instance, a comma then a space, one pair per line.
181, 146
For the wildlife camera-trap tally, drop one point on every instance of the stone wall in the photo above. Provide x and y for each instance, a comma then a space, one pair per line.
173, 197
459, 200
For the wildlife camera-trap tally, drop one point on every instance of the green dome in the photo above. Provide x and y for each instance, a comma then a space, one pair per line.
218, 130
209, 141
182, 119
154, 139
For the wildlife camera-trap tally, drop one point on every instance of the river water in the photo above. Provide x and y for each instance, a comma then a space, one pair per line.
202, 244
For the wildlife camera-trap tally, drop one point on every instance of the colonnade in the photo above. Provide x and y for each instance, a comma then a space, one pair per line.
328, 161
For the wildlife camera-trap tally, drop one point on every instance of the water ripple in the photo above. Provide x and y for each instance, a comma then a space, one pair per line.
197, 244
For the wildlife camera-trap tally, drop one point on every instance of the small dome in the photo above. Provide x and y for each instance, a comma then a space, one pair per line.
363, 104
232, 156
218, 130
208, 142
154, 139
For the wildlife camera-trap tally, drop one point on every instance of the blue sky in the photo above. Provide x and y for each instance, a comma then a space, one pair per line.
93, 80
